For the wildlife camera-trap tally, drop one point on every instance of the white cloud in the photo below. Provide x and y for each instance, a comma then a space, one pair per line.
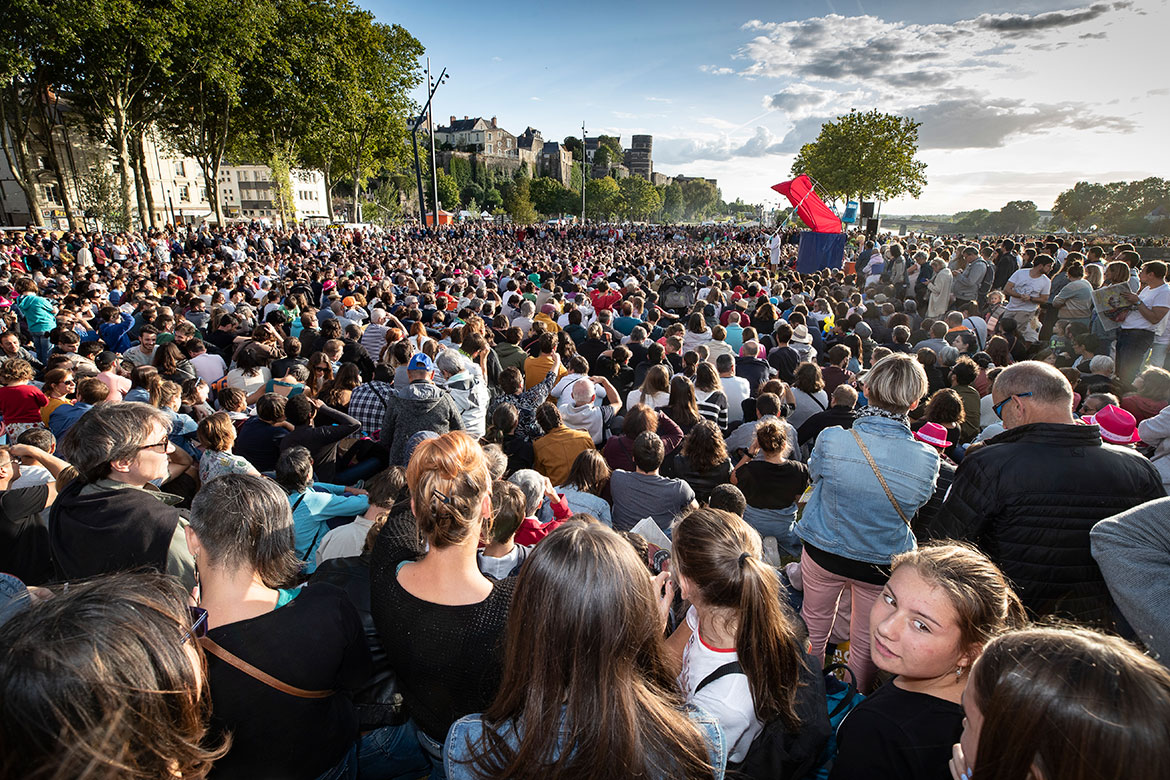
717, 71
659, 100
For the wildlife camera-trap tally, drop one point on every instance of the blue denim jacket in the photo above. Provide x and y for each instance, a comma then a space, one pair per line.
470, 727
848, 513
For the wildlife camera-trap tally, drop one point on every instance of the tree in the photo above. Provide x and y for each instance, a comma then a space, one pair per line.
972, 221
199, 112
613, 146
448, 191
472, 192
1017, 216
1076, 207
548, 195
99, 198
492, 199
672, 203
460, 171
575, 147
518, 201
699, 196
639, 197
870, 155
602, 198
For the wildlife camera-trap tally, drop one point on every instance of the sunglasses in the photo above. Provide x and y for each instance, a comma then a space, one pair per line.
198, 627
998, 408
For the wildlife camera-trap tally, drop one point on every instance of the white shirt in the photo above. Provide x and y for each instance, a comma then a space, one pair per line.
344, 541
728, 699
1026, 284
1153, 297
736, 388
209, 367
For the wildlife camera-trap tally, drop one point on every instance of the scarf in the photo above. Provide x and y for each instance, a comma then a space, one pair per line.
873, 411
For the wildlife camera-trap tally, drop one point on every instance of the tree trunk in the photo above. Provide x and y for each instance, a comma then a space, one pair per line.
136, 167
14, 139
140, 153
328, 192
357, 187
122, 153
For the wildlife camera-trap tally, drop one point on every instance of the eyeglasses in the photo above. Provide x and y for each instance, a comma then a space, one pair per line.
161, 447
198, 624
998, 408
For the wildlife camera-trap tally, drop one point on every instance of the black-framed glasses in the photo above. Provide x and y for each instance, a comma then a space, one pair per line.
198, 624
161, 447
998, 408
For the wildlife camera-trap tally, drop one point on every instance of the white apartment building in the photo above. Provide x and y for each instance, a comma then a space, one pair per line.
245, 193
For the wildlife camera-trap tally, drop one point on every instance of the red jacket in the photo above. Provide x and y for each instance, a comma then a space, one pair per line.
531, 531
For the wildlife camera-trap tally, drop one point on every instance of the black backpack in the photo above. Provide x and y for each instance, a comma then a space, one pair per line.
777, 753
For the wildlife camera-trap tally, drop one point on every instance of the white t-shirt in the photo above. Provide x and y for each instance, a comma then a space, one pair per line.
1026, 284
728, 699
1153, 297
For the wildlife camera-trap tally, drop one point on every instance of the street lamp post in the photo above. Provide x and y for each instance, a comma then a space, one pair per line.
422, 209
584, 175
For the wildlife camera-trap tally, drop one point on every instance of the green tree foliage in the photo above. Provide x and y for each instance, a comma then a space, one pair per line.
870, 155
1017, 216
549, 196
575, 147
972, 221
472, 192
448, 191
461, 171
613, 146
492, 200
1120, 206
602, 198
601, 158
699, 197
673, 204
639, 197
518, 201
99, 199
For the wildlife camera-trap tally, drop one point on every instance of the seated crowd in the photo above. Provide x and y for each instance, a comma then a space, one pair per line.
580, 503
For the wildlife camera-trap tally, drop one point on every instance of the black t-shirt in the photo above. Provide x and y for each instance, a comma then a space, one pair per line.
772, 485
314, 642
899, 735
448, 659
24, 537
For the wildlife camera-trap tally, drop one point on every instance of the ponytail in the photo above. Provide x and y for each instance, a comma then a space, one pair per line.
721, 554
768, 649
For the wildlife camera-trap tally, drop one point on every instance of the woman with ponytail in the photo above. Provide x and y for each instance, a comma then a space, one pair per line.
440, 620
736, 616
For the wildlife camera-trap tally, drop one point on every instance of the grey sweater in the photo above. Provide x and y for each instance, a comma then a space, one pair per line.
1133, 551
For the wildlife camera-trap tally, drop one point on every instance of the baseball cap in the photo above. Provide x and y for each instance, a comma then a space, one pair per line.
420, 362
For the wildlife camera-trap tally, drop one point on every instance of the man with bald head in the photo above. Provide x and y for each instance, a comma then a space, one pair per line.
1029, 497
581, 412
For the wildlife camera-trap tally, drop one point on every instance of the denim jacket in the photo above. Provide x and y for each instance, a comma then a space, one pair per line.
848, 513
471, 728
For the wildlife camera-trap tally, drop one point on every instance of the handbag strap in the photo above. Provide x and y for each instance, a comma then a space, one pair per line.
210, 645
881, 479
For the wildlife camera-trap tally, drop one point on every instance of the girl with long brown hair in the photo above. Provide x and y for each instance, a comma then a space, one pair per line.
604, 704
736, 616
942, 604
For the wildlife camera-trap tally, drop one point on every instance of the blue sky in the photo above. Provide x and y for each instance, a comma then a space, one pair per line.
1017, 100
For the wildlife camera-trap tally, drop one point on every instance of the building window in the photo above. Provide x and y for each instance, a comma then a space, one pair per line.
51, 193
180, 168
42, 162
489, 136
489, 148
184, 193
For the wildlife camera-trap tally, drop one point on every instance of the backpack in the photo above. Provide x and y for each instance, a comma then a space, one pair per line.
776, 753
842, 697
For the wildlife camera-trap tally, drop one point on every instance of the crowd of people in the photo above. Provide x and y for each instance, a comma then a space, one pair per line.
582, 502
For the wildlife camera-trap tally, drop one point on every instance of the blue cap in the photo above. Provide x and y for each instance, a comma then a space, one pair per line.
420, 362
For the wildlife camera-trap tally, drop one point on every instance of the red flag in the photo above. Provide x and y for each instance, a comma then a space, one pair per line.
819, 217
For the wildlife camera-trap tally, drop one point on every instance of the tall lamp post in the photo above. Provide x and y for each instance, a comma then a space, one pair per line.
584, 175
422, 209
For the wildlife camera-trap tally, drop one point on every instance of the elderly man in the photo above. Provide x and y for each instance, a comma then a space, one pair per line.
112, 517
1029, 497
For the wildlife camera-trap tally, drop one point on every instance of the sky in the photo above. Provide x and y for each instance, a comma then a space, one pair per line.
1017, 100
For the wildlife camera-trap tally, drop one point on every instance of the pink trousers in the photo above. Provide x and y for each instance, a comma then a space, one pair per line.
822, 594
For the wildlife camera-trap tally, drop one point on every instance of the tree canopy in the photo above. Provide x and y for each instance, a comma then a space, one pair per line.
870, 155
